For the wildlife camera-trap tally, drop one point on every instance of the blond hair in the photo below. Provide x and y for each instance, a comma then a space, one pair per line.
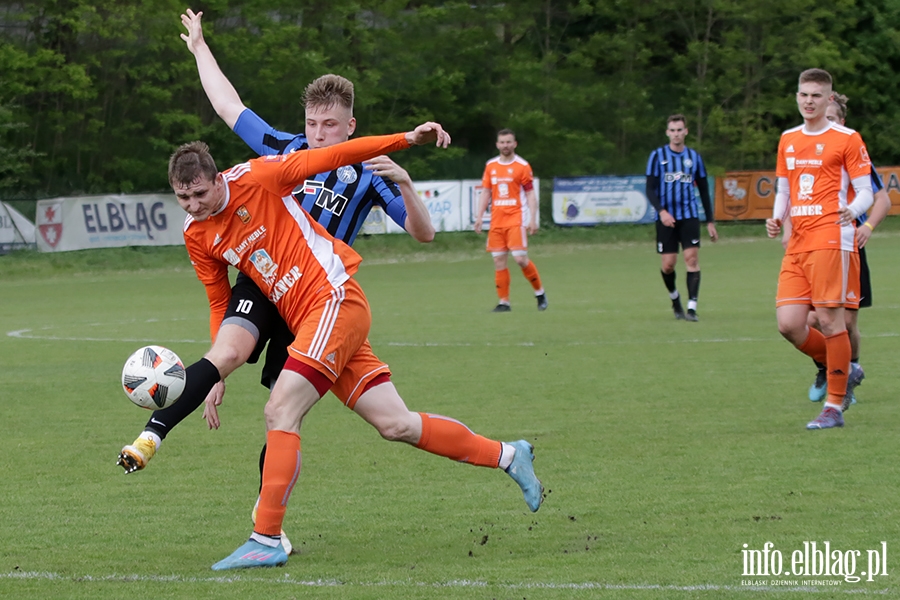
329, 91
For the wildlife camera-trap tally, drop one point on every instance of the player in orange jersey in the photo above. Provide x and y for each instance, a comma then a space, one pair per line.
245, 217
865, 225
816, 163
507, 178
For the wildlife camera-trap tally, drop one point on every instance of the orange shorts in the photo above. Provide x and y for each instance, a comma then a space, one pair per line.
820, 278
332, 339
506, 239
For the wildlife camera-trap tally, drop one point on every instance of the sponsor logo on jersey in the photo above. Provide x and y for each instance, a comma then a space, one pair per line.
243, 214
267, 267
820, 148
806, 187
864, 154
284, 284
677, 176
510, 202
232, 257
259, 234
274, 157
806, 210
790, 148
217, 241
791, 162
325, 197
346, 174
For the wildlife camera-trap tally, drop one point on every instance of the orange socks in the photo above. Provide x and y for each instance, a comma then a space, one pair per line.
501, 279
531, 274
814, 346
838, 364
279, 476
448, 437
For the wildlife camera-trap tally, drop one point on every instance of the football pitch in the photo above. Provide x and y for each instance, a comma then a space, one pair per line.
671, 452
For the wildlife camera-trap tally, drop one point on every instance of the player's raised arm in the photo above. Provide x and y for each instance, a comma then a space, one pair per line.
295, 168
222, 95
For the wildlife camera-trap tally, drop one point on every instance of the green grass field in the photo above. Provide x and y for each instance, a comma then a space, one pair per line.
664, 446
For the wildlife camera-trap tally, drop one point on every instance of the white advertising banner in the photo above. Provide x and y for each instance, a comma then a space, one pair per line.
443, 201
471, 189
16, 231
109, 221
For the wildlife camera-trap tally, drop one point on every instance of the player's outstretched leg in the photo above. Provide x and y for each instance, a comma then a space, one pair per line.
522, 472
199, 379
253, 555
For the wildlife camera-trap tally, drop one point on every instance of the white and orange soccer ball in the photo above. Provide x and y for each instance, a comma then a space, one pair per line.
153, 377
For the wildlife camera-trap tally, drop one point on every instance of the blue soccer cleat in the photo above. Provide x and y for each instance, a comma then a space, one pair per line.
819, 389
522, 472
253, 555
828, 418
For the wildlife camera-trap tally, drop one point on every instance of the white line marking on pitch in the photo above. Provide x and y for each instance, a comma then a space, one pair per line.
30, 334
456, 583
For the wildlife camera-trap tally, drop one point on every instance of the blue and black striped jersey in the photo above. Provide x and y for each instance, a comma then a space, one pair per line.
339, 200
676, 173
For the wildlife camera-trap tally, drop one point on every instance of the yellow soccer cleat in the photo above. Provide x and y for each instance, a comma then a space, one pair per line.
136, 456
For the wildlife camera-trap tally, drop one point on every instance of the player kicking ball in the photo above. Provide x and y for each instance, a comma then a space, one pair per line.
246, 218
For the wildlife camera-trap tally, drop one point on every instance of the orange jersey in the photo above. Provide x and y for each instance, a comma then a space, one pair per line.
507, 183
262, 231
819, 168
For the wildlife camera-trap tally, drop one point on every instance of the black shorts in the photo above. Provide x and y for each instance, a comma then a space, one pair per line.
250, 308
865, 284
686, 232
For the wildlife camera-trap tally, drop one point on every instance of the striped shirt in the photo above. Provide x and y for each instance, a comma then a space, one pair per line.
339, 200
677, 173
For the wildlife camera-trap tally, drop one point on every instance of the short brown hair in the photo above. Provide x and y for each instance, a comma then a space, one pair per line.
329, 91
840, 101
816, 76
506, 131
675, 118
192, 161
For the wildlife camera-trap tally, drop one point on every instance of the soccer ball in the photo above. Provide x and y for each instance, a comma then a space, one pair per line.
153, 377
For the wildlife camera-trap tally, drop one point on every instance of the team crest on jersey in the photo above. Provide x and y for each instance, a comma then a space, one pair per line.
820, 148
806, 186
264, 264
688, 163
346, 174
243, 214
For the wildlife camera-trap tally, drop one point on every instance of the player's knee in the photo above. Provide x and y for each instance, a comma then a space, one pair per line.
398, 428
228, 356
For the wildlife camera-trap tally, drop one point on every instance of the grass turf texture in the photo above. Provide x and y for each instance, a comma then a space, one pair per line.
664, 446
